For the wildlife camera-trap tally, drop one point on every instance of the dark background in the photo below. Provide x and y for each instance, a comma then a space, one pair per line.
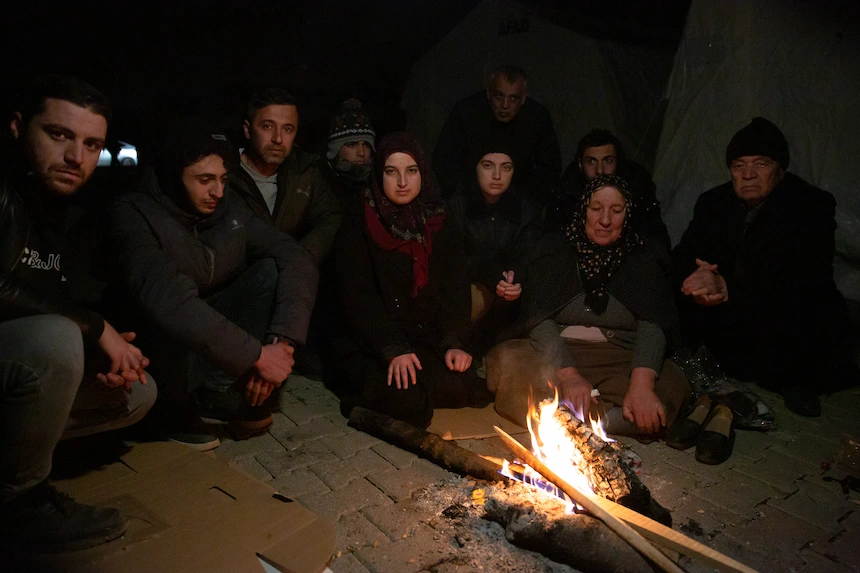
159, 59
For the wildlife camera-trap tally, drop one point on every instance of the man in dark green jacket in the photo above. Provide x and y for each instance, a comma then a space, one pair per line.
281, 182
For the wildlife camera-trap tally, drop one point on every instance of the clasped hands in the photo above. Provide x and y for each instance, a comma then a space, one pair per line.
127, 362
507, 289
402, 369
706, 285
269, 372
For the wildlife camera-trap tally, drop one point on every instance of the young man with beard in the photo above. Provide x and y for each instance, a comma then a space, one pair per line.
64, 370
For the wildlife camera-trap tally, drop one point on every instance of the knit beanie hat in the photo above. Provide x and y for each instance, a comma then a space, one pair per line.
351, 124
760, 137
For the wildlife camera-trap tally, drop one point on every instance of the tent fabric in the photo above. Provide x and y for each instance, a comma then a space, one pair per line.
585, 82
794, 62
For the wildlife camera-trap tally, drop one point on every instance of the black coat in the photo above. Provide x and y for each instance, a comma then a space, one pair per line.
642, 284
784, 259
375, 286
169, 260
497, 237
471, 123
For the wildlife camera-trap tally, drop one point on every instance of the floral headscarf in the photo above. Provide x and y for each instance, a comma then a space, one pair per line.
598, 263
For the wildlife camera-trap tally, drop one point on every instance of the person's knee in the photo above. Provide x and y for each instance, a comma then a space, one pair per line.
51, 344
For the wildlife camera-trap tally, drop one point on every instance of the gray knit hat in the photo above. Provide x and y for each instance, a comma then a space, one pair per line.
351, 124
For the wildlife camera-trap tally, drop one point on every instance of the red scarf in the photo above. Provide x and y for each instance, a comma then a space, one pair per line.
418, 251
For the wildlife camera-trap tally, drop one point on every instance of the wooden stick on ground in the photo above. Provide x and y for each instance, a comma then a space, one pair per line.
585, 500
657, 532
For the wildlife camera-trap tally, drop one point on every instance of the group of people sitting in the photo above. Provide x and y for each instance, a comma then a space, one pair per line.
487, 280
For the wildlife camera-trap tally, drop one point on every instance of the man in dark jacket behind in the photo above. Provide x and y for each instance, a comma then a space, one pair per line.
599, 152
504, 109
226, 296
756, 268
64, 370
281, 182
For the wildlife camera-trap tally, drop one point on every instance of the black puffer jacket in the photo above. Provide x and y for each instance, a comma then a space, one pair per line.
170, 259
498, 237
24, 293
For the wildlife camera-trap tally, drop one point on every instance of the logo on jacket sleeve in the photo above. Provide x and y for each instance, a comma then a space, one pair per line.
35, 261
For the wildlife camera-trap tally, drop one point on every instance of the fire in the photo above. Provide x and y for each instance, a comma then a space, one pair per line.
551, 444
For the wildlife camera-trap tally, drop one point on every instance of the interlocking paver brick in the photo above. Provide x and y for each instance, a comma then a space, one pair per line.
313, 430
751, 445
401, 519
354, 532
277, 463
248, 464
395, 456
746, 552
737, 493
787, 535
810, 448
843, 548
419, 551
347, 563
400, 484
707, 474
669, 486
297, 411
338, 473
230, 448
301, 482
334, 504
821, 504
348, 445
817, 563
779, 470
703, 521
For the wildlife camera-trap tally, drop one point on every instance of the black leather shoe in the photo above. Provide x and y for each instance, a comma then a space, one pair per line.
718, 438
685, 431
802, 402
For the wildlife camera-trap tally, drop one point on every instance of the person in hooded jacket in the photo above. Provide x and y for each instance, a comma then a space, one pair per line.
500, 226
404, 296
226, 296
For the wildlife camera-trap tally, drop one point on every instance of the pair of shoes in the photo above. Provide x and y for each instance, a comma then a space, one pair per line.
802, 402
230, 407
717, 440
685, 432
43, 520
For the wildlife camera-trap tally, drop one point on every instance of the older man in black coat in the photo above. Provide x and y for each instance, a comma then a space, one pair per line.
756, 267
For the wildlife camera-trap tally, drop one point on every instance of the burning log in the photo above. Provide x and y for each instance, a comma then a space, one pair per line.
605, 464
539, 523
586, 500
430, 446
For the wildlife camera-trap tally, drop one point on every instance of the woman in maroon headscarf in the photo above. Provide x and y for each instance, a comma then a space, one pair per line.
405, 296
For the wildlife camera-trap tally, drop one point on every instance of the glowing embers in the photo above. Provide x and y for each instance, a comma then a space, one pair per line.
553, 445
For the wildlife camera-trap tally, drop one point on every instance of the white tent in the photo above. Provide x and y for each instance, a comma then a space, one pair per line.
585, 83
794, 62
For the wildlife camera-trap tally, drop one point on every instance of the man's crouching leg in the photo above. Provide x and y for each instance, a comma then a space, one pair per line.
41, 366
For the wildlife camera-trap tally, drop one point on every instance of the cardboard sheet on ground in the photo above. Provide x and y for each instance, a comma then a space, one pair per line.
470, 423
190, 511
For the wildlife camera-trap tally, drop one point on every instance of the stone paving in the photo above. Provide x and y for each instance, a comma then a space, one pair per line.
769, 506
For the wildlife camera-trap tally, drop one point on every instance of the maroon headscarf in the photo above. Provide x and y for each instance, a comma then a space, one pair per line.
405, 228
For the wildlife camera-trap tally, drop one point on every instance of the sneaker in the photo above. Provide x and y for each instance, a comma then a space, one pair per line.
231, 407
197, 436
44, 520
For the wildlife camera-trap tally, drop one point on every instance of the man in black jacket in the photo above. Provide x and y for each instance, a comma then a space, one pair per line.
504, 110
756, 268
64, 370
599, 152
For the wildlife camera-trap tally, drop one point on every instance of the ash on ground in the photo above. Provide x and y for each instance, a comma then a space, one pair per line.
456, 507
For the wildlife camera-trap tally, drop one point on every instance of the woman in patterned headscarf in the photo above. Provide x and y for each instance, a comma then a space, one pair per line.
599, 314
404, 294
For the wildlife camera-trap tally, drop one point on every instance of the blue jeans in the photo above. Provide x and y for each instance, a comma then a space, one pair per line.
44, 398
